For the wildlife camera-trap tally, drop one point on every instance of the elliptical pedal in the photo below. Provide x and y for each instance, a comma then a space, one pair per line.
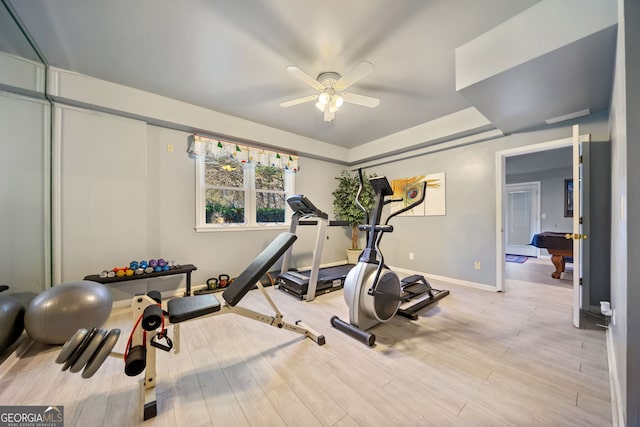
415, 285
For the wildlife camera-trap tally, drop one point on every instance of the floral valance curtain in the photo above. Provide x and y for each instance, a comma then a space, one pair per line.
207, 147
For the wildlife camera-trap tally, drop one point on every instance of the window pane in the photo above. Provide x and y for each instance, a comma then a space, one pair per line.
223, 172
224, 206
269, 178
269, 207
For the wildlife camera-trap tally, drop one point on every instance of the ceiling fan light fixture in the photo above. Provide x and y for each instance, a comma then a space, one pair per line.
336, 102
324, 98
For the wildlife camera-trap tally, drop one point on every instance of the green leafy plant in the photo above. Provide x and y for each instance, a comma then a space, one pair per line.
344, 201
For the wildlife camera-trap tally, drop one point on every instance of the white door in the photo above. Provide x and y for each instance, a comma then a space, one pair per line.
577, 225
522, 217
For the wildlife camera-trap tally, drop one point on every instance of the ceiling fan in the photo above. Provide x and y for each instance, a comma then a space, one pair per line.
331, 87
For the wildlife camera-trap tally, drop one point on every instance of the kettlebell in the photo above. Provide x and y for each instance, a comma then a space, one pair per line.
212, 283
223, 280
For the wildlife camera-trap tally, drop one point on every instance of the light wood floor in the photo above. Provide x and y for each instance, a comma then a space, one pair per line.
476, 359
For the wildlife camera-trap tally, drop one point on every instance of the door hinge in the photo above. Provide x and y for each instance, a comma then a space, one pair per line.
580, 159
580, 220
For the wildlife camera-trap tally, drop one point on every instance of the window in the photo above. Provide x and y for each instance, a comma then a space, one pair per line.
238, 191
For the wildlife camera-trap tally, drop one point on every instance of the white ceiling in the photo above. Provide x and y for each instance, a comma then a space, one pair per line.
231, 56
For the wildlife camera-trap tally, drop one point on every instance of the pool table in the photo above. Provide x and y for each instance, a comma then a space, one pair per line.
558, 246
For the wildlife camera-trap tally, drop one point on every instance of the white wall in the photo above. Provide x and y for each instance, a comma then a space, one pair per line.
24, 182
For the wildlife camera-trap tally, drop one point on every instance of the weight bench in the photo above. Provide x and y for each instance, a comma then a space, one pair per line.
86, 347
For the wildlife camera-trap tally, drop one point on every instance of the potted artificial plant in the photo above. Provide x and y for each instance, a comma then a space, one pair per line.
345, 208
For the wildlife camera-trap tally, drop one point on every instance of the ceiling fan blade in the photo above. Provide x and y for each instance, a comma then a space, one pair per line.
297, 72
365, 101
356, 73
298, 101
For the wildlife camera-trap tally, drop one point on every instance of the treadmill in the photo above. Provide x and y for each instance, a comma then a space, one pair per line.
307, 284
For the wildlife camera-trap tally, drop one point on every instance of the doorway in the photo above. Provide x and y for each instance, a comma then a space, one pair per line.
502, 200
522, 218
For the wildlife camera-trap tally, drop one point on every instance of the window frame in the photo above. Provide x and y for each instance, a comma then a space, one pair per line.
249, 201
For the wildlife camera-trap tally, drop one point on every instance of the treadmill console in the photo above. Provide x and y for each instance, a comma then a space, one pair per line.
303, 207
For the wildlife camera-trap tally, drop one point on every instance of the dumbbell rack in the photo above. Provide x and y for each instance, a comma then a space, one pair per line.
183, 269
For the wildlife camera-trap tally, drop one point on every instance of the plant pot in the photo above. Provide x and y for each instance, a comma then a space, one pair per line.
353, 255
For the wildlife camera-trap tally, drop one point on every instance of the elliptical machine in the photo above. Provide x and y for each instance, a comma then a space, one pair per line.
372, 291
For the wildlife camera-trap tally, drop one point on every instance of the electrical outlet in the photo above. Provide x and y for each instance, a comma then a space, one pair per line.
411, 256
169, 148
477, 265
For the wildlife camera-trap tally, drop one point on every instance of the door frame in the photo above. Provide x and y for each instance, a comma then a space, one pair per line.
501, 157
536, 214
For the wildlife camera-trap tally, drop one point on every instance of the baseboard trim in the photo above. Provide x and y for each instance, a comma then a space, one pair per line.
617, 410
452, 280
180, 292
126, 303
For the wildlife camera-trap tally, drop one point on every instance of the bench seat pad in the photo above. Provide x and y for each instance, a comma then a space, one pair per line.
187, 308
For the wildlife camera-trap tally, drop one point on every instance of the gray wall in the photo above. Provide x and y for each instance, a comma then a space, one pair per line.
449, 245
443, 245
632, 73
597, 223
625, 209
172, 219
103, 193
551, 190
132, 199
551, 168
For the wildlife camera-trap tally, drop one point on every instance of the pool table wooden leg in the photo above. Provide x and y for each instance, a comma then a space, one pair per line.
558, 262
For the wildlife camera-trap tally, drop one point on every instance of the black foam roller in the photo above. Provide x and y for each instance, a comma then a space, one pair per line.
152, 318
136, 361
155, 295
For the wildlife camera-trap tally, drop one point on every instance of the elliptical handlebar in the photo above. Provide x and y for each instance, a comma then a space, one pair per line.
360, 188
376, 230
